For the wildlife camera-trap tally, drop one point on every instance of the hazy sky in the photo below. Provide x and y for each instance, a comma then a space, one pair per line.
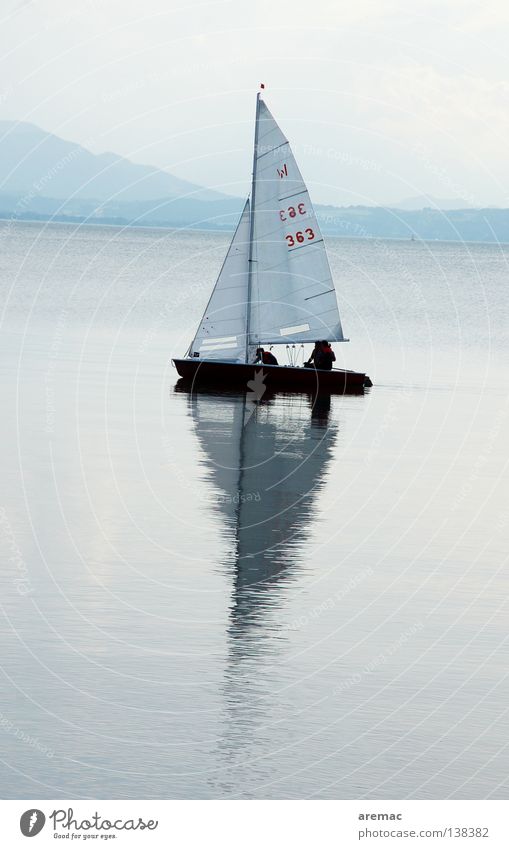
381, 99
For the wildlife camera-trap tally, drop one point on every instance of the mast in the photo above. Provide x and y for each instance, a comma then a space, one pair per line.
251, 229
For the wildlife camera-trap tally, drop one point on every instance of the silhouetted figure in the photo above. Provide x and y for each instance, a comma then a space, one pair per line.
326, 357
314, 354
265, 357
322, 356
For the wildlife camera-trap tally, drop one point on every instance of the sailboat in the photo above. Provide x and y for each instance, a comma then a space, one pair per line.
275, 286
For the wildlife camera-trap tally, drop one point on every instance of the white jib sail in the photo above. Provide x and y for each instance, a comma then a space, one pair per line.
221, 333
292, 290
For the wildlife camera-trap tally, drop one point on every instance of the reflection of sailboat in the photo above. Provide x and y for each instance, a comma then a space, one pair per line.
275, 286
266, 464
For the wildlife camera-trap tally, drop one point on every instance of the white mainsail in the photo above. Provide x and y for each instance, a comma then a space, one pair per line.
275, 286
292, 291
221, 333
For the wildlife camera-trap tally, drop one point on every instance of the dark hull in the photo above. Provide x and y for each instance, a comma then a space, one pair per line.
288, 378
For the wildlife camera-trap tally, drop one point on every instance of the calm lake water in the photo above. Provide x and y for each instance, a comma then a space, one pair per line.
204, 597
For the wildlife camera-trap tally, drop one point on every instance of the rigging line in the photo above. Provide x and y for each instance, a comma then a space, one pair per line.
294, 195
232, 288
306, 245
271, 150
308, 281
319, 294
287, 296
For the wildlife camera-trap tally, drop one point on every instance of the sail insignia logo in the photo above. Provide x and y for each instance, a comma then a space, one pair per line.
32, 822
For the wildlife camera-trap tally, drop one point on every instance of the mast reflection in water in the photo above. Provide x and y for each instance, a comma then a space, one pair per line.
267, 464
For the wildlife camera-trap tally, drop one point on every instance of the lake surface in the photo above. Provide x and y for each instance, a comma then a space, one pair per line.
207, 597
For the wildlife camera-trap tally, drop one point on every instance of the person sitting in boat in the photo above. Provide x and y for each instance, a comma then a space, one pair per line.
315, 353
327, 356
265, 357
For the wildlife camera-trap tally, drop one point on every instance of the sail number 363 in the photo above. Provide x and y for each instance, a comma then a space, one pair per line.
292, 212
307, 236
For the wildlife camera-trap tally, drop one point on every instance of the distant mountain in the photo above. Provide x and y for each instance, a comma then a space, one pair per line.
44, 177
469, 225
34, 162
423, 202
358, 222
160, 212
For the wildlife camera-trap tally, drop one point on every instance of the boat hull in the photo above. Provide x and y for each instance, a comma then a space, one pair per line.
287, 378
